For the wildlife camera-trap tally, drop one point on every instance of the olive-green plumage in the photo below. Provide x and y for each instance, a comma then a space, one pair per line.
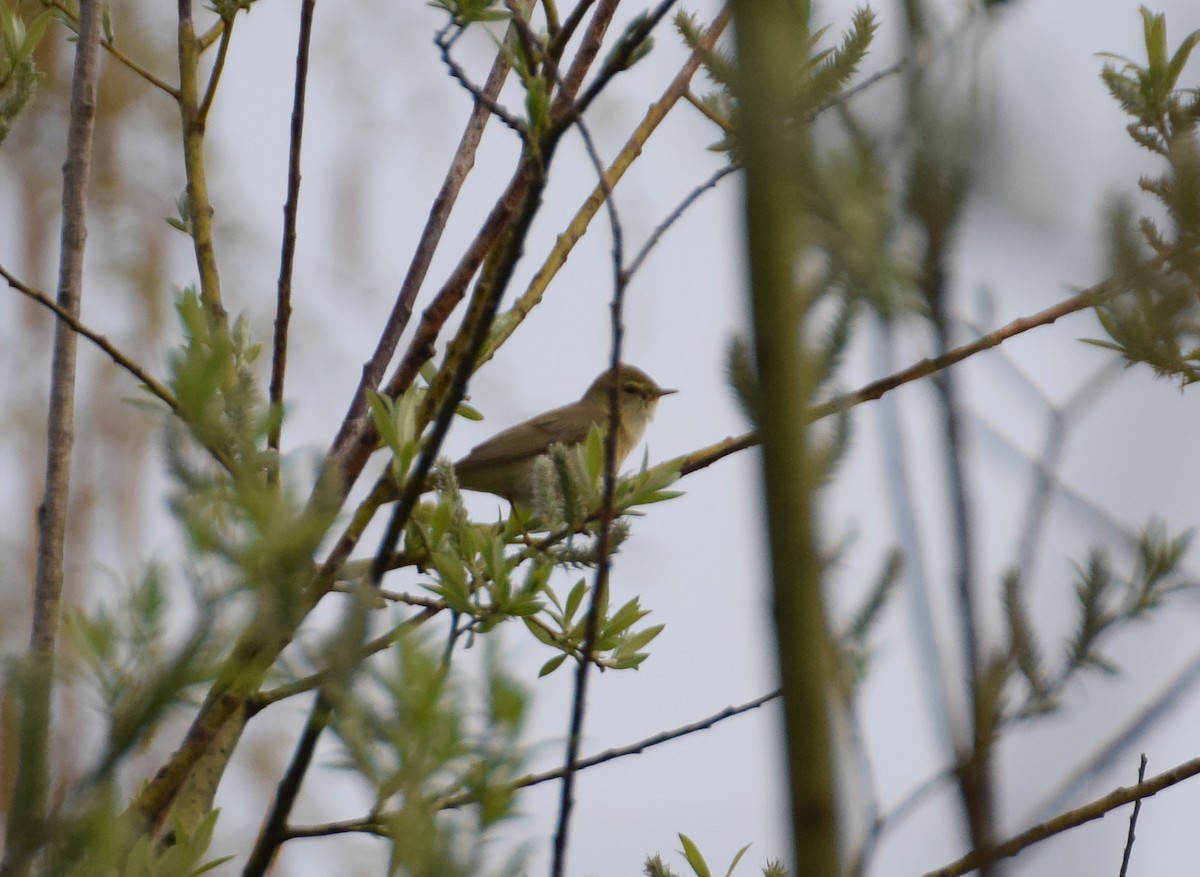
504, 464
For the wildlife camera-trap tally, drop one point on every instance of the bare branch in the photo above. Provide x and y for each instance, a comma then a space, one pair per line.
26, 829
1071, 819
287, 256
122, 360
876, 389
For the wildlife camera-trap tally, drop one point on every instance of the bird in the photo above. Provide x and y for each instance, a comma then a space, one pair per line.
504, 464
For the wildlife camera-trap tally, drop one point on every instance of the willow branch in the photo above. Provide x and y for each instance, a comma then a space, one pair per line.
577, 227
291, 207
111, 47
27, 823
1071, 819
122, 360
200, 210
705, 457
443, 205
371, 824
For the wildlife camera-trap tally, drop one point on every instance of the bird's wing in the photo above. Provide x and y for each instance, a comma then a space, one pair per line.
565, 425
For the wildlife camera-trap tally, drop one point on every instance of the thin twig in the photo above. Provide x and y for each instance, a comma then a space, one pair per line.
123, 361
314, 681
867, 83
370, 824
625, 751
200, 210
617, 61
599, 595
287, 256
899, 490
214, 76
444, 44
585, 56
1135, 729
724, 124
1133, 818
674, 216
1046, 480
562, 36
629, 152
111, 47
274, 828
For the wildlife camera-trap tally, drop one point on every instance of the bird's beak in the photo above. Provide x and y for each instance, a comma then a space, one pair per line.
662, 392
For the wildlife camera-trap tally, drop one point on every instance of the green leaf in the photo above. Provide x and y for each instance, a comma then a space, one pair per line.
1155, 29
454, 587
552, 665
540, 633
466, 411
33, 35
443, 514
635, 642
624, 617
595, 454
1180, 58
574, 599
382, 411
737, 858
692, 853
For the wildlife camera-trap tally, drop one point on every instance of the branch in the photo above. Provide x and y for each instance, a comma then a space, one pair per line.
481, 95
214, 76
443, 204
599, 595
371, 824
705, 457
123, 361
617, 752
287, 256
1071, 819
384, 641
200, 210
674, 216
274, 828
26, 830
111, 47
577, 227
1133, 818
618, 61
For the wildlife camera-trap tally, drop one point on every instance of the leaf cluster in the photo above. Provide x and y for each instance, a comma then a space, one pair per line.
231, 496
1157, 265
96, 839
135, 666
819, 78
1105, 603
656, 867
617, 646
417, 737
464, 12
18, 75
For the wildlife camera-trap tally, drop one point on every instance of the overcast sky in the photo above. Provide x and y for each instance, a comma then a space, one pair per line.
383, 120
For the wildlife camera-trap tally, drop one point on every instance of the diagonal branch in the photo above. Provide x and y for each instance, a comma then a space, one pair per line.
1071, 819
122, 360
705, 457
370, 824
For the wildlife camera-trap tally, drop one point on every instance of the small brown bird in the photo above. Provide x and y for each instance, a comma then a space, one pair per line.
504, 464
